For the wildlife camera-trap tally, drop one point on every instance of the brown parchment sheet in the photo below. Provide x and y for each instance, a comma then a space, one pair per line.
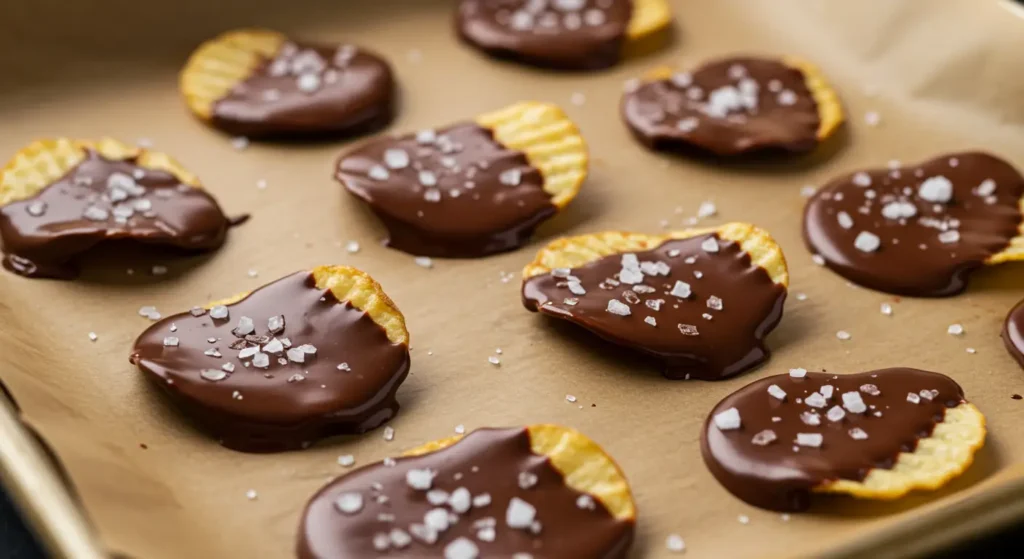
944, 76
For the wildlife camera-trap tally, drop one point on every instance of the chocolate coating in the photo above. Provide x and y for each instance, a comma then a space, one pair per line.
281, 406
42, 235
780, 475
308, 90
568, 35
935, 222
460, 194
1013, 333
729, 342
487, 461
726, 107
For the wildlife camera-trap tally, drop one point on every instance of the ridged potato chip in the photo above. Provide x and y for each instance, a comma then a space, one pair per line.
545, 490
311, 355
698, 301
470, 189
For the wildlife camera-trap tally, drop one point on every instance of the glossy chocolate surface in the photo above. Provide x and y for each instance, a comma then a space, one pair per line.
1013, 333
454, 192
334, 371
376, 510
715, 332
309, 90
103, 200
727, 107
916, 230
560, 34
762, 463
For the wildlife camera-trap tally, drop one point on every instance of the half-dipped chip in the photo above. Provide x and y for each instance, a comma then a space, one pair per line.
310, 355
734, 106
873, 435
699, 301
259, 83
564, 34
59, 198
1013, 332
473, 188
539, 491
919, 230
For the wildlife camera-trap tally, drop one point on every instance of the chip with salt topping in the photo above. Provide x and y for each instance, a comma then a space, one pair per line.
259, 400
257, 83
61, 197
489, 182
734, 106
908, 442
922, 231
565, 34
742, 287
545, 489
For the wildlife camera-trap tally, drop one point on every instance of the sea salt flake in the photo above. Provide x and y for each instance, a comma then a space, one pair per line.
245, 327
798, 373
948, 237
936, 189
854, 403
681, 289
481, 500
511, 177
462, 548
826, 391
576, 288
812, 440
886, 309
707, 209
349, 503
764, 438
835, 413
870, 390
728, 419
424, 262
171, 341
296, 355
219, 312
389, 433
261, 360
845, 221
913, 398
619, 308
379, 173
654, 304
420, 479
955, 330
527, 480
776, 392
843, 335
816, 400
986, 188
651, 320
213, 375
857, 434
810, 418
861, 179
346, 460
396, 158
688, 329
519, 514
867, 241
714, 303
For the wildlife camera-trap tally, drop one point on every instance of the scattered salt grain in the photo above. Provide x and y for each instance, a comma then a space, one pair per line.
728, 419
886, 309
93, 337
843, 335
424, 262
389, 433
955, 330
346, 460
675, 543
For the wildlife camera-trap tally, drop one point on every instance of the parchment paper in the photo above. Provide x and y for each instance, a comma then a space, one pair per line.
943, 76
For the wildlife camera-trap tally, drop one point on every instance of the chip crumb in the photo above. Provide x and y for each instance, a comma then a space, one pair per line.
728, 419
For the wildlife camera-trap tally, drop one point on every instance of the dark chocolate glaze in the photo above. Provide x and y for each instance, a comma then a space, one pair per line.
282, 406
912, 258
470, 212
486, 461
780, 475
567, 35
354, 94
726, 107
730, 342
42, 235
1013, 333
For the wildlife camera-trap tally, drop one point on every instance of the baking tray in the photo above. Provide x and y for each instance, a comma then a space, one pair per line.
943, 76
